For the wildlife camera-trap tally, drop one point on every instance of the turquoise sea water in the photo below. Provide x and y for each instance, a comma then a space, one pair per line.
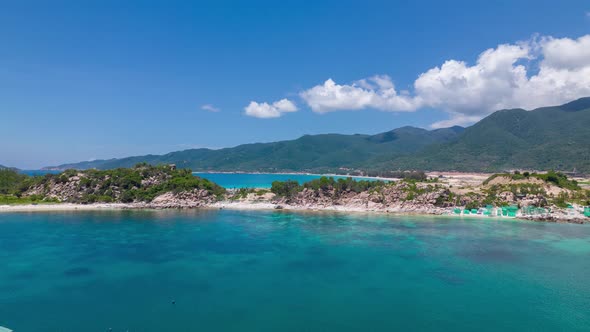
235, 180
282, 271
37, 172
259, 180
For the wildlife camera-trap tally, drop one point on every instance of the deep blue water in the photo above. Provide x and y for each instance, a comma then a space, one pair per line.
282, 271
259, 180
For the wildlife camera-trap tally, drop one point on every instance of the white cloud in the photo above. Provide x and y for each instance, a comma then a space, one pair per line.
456, 120
566, 53
471, 91
266, 110
375, 92
210, 108
540, 72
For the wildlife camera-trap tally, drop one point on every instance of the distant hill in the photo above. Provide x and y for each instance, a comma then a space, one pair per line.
310, 152
546, 138
6, 167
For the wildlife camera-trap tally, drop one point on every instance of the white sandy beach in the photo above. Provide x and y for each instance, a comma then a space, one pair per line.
249, 205
232, 205
64, 207
217, 205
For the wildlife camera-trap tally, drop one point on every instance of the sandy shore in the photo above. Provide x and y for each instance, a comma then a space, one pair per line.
232, 205
65, 207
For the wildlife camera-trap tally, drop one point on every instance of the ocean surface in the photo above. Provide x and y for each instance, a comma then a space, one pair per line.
222, 270
261, 180
236, 180
37, 172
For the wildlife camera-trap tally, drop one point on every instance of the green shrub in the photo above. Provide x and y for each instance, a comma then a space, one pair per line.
10, 181
559, 179
285, 188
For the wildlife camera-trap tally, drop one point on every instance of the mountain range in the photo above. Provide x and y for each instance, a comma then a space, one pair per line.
555, 137
6, 167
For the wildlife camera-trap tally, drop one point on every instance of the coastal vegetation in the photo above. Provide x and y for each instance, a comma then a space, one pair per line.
243, 193
33, 199
502, 189
290, 188
550, 188
557, 178
142, 183
10, 181
407, 175
12, 185
147, 186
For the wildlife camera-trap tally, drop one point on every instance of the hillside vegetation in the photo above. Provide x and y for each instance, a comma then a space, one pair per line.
542, 139
549, 188
142, 183
552, 189
558, 179
313, 153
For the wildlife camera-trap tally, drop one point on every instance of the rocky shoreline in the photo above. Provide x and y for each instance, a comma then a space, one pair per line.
267, 205
165, 187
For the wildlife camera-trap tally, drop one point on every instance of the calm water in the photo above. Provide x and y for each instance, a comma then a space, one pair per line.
234, 180
281, 271
37, 172
259, 180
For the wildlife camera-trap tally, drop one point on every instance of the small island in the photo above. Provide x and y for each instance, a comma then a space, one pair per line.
549, 196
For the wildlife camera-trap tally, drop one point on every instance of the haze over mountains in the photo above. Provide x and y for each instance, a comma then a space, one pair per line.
546, 138
6, 167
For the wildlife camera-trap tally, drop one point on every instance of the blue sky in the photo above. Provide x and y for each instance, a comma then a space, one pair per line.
82, 80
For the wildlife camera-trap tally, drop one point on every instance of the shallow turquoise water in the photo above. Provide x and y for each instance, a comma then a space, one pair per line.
259, 180
282, 271
235, 180
37, 172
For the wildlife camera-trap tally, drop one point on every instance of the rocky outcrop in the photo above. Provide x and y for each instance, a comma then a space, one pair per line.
507, 197
183, 200
396, 197
555, 217
62, 189
533, 200
143, 185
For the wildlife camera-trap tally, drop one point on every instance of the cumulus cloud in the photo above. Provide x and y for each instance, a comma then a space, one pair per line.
266, 110
456, 119
539, 72
210, 108
375, 92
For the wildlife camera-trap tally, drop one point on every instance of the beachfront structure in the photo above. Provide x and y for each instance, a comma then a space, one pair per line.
532, 210
504, 211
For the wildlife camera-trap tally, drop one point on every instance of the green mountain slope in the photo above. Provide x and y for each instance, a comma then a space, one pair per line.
546, 138
6, 167
311, 152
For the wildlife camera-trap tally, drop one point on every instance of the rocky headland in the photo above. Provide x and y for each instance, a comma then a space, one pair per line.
551, 198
